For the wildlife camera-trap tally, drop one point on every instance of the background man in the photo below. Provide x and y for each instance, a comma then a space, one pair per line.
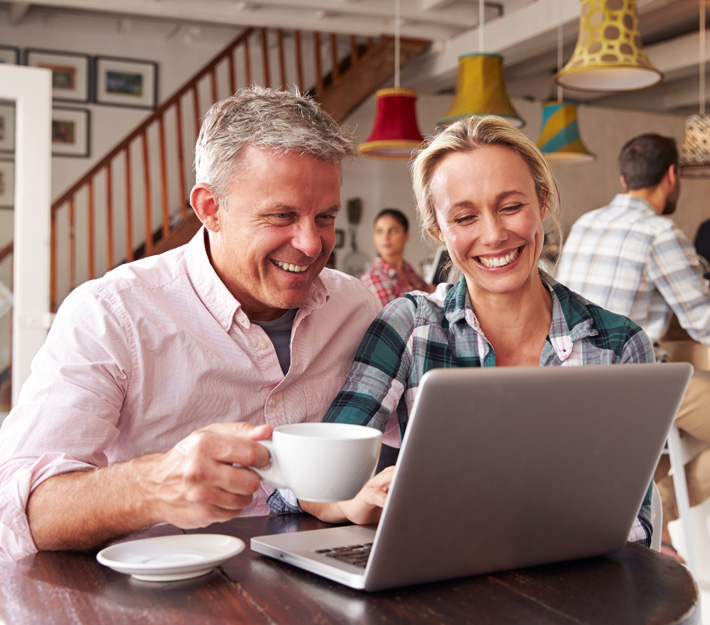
631, 259
130, 416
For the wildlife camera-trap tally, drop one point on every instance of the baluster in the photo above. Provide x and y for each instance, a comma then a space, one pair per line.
299, 59
90, 229
72, 245
129, 206
334, 56
282, 59
146, 193
196, 104
164, 178
53, 261
353, 51
109, 217
181, 161
265, 58
232, 73
319, 70
213, 85
247, 62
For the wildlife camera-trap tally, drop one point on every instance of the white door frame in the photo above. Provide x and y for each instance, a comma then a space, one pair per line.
31, 90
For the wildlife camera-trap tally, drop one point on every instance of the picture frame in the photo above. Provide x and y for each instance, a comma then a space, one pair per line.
7, 184
70, 132
125, 82
9, 55
339, 238
7, 127
71, 73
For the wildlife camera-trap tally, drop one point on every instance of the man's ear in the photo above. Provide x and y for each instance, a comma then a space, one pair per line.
672, 174
206, 206
623, 182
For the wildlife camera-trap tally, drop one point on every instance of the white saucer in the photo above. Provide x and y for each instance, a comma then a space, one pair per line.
170, 558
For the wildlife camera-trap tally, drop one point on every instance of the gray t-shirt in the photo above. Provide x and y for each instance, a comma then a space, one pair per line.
279, 332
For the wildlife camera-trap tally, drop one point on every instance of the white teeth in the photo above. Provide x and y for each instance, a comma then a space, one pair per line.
499, 261
289, 267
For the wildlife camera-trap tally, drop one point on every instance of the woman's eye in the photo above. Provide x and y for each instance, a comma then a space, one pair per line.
513, 208
464, 220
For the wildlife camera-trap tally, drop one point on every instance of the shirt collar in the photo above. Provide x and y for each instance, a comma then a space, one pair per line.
217, 298
571, 320
629, 201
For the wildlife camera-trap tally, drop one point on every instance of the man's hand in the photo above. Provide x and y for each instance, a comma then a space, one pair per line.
204, 478
192, 485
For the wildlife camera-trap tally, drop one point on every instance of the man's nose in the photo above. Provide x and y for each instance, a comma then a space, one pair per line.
307, 239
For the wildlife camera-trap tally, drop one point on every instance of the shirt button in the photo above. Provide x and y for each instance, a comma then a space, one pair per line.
274, 401
262, 344
225, 325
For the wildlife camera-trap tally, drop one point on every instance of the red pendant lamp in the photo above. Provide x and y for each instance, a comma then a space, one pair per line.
395, 134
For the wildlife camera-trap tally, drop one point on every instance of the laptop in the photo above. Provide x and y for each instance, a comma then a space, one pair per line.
504, 468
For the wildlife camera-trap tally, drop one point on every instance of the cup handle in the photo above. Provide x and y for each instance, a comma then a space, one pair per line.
271, 474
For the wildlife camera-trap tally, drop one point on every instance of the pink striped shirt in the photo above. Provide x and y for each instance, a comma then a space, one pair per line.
139, 359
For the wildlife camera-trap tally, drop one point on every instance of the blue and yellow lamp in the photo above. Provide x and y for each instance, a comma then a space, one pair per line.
559, 139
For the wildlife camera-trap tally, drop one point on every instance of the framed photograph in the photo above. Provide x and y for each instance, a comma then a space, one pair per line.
126, 82
339, 238
7, 127
70, 132
7, 184
70, 73
9, 55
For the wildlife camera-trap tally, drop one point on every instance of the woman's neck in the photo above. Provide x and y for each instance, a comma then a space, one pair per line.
395, 261
516, 325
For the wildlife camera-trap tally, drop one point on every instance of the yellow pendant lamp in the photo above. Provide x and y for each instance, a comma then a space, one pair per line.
480, 90
609, 55
480, 87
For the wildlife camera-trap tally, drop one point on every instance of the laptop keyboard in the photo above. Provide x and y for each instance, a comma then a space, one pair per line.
354, 554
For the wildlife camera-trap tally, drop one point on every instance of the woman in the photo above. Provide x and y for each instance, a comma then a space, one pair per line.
484, 190
390, 276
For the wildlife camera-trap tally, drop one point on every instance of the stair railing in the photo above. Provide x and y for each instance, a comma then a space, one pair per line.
138, 191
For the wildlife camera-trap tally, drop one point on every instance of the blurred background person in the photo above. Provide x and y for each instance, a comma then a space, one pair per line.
390, 276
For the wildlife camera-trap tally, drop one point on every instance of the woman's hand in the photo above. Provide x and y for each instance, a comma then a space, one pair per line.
367, 505
363, 509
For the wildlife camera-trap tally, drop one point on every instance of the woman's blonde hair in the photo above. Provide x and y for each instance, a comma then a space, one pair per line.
473, 132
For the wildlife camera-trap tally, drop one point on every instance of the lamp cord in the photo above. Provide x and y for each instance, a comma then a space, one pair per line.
559, 49
481, 22
396, 44
701, 65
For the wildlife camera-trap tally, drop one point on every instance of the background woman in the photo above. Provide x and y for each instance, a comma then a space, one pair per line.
484, 190
390, 276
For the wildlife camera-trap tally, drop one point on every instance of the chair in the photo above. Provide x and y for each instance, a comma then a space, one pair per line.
681, 449
656, 518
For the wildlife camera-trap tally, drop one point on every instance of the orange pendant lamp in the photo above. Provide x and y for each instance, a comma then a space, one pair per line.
395, 134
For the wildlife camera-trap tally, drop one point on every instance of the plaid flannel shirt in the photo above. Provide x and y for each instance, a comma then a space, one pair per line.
632, 261
420, 332
387, 284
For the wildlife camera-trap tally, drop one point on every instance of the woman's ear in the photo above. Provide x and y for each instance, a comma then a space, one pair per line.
206, 206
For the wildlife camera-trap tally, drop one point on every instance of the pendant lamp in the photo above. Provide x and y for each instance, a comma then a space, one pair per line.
480, 87
395, 134
480, 90
559, 138
608, 55
695, 153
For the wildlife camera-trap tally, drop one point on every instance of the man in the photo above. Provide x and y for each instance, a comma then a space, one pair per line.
632, 259
155, 382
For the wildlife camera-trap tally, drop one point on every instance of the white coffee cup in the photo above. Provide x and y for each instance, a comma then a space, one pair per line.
322, 461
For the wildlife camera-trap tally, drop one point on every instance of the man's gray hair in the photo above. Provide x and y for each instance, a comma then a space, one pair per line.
280, 121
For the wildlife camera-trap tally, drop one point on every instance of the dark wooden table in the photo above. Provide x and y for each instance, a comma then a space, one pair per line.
633, 586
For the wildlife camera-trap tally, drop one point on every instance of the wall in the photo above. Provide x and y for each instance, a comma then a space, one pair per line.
178, 51
582, 188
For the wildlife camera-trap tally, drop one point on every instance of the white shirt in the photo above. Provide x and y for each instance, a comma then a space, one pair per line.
158, 348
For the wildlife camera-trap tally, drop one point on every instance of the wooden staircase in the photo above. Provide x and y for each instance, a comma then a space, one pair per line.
126, 201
